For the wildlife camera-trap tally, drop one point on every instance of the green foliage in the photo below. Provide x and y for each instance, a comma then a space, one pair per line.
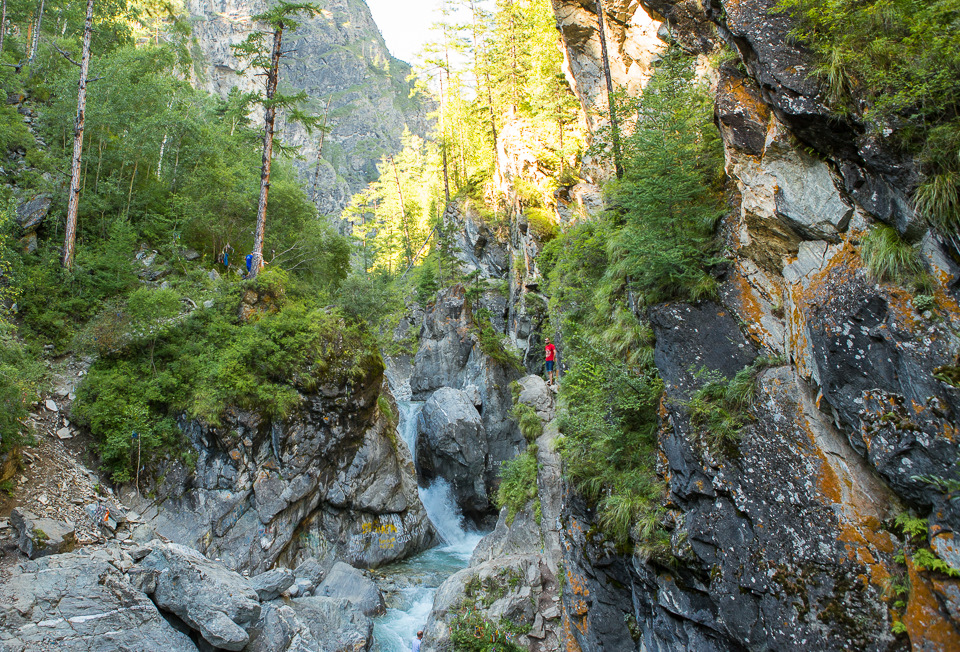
718, 410
518, 482
205, 362
20, 378
926, 559
491, 342
887, 257
894, 63
911, 525
530, 424
471, 632
670, 194
608, 418
897, 627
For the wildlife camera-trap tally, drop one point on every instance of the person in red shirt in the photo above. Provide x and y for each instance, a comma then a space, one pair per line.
551, 352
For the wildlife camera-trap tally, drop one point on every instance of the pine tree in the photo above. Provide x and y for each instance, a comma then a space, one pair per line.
267, 59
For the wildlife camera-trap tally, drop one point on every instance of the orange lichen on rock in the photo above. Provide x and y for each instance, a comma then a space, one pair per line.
928, 628
750, 310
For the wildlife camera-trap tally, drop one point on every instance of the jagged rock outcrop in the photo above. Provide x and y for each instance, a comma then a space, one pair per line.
331, 481
164, 596
81, 602
339, 58
516, 571
449, 357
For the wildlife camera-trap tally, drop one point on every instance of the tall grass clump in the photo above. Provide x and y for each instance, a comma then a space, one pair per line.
887, 257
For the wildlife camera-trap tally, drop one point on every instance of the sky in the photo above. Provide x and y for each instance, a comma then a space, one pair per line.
404, 24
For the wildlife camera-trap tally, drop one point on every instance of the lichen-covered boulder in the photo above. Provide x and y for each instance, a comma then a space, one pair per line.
38, 537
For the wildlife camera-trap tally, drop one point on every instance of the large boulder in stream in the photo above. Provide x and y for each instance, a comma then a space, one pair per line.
345, 581
451, 444
479, 433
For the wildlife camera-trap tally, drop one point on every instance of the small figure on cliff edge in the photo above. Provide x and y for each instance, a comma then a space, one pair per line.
416, 642
551, 353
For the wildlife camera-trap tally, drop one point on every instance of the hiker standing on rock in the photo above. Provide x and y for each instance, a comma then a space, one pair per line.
551, 355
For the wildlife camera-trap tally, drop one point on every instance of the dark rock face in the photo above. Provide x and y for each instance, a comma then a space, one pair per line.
695, 337
332, 481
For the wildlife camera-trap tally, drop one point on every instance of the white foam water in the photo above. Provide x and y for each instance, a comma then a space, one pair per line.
424, 573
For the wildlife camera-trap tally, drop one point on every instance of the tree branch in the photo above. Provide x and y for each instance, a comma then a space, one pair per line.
64, 53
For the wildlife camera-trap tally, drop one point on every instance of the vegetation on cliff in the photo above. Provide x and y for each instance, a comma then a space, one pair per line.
893, 64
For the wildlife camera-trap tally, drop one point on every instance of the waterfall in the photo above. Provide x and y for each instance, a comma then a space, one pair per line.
419, 577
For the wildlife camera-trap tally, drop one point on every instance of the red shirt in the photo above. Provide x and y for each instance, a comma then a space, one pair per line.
551, 351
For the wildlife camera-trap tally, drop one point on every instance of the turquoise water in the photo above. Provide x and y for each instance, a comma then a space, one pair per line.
409, 586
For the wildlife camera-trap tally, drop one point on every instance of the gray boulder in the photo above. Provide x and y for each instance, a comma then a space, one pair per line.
80, 602
30, 215
452, 444
38, 537
535, 393
345, 581
271, 584
335, 624
206, 595
312, 571
279, 630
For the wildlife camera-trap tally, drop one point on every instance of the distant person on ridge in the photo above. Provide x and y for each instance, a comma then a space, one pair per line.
225, 256
551, 352
416, 642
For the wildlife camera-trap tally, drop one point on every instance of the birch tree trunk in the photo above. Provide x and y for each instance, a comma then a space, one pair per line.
73, 203
35, 41
3, 24
270, 116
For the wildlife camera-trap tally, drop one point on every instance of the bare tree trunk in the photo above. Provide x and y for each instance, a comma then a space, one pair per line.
3, 24
270, 116
36, 35
443, 143
614, 125
73, 203
323, 133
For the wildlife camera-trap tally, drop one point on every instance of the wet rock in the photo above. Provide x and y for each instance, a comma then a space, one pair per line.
451, 445
346, 582
215, 601
39, 537
80, 602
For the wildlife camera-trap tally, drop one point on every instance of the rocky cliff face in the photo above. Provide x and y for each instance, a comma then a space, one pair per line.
341, 61
332, 481
787, 542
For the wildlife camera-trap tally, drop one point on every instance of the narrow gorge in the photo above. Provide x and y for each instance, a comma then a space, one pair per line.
736, 219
